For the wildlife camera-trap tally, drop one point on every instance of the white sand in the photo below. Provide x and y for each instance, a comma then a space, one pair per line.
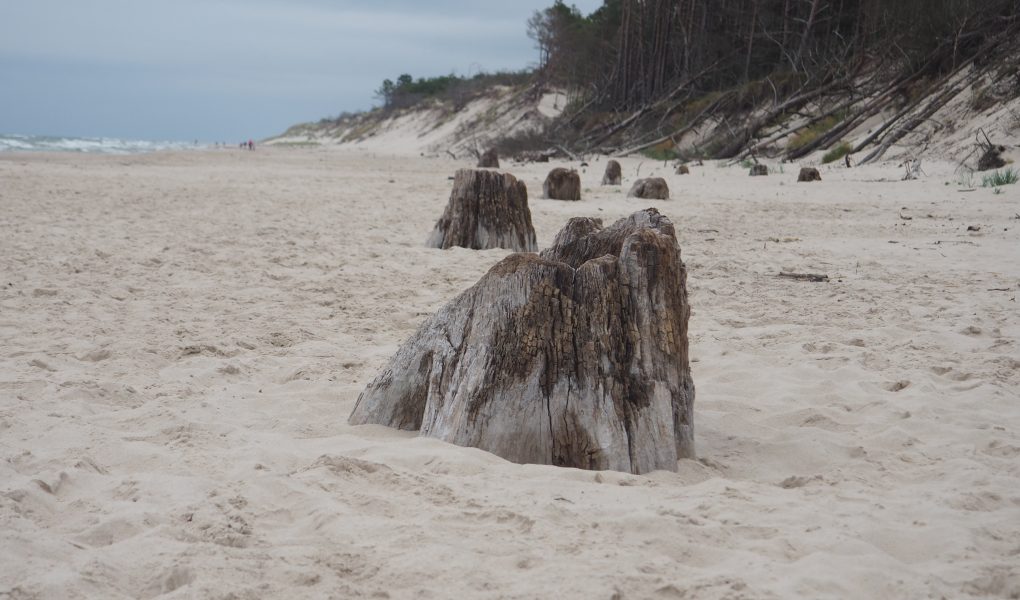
182, 337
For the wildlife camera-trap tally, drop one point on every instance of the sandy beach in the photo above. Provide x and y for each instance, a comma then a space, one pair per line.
183, 336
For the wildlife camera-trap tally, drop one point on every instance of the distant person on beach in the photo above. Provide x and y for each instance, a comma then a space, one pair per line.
251, 145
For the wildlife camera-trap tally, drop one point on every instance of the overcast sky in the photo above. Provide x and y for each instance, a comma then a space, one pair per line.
233, 69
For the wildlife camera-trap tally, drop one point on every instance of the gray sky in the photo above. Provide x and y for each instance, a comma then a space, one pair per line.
234, 69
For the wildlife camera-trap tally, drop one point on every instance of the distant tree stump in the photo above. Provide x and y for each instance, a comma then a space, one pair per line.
489, 160
991, 158
808, 174
562, 184
486, 210
532, 156
577, 357
683, 170
614, 174
759, 170
652, 188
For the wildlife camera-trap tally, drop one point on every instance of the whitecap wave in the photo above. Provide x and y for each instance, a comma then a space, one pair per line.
45, 143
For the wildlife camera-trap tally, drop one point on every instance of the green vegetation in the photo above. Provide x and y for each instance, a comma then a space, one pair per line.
664, 151
303, 144
841, 150
812, 133
1000, 178
408, 91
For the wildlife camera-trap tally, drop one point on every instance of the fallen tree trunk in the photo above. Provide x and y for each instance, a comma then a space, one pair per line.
933, 107
577, 357
678, 133
747, 133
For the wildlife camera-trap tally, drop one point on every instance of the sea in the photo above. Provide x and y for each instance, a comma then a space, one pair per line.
46, 143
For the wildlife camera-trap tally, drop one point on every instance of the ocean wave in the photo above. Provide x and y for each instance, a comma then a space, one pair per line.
45, 143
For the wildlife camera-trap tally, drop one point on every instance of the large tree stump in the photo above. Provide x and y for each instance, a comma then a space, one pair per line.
562, 184
576, 357
809, 174
651, 188
486, 210
489, 160
614, 174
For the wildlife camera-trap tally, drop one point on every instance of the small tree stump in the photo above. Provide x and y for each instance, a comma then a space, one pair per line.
759, 170
562, 184
614, 174
991, 158
683, 170
808, 174
489, 160
651, 188
486, 210
532, 156
577, 357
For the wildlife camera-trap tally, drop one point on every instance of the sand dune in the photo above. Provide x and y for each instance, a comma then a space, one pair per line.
183, 335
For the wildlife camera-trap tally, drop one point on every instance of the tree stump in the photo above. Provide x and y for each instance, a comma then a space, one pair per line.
759, 170
614, 174
577, 357
489, 160
486, 210
991, 158
562, 184
808, 174
683, 170
652, 188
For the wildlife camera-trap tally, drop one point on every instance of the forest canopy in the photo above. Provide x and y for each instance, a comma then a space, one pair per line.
630, 51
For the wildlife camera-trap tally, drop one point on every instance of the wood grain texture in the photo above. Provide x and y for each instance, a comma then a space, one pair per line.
562, 184
486, 210
576, 357
651, 188
614, 174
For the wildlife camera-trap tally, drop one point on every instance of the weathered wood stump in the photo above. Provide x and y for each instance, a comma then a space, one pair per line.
683, 170
614, 174
489, 160
562, 184
808, 174
577, 357
486, 210
759, 170
651, 188
991, 158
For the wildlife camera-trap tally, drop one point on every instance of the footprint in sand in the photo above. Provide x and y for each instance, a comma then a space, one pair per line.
171, 581
897, 386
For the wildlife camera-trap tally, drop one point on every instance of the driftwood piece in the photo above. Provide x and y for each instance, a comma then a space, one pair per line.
614, 173
815, 277
577, 357
759, 170
486, 210
562, 184
683, 170
808, 174
489, 159
650, 188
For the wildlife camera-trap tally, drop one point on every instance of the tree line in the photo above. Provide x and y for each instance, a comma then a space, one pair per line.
630, 52
407, 91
